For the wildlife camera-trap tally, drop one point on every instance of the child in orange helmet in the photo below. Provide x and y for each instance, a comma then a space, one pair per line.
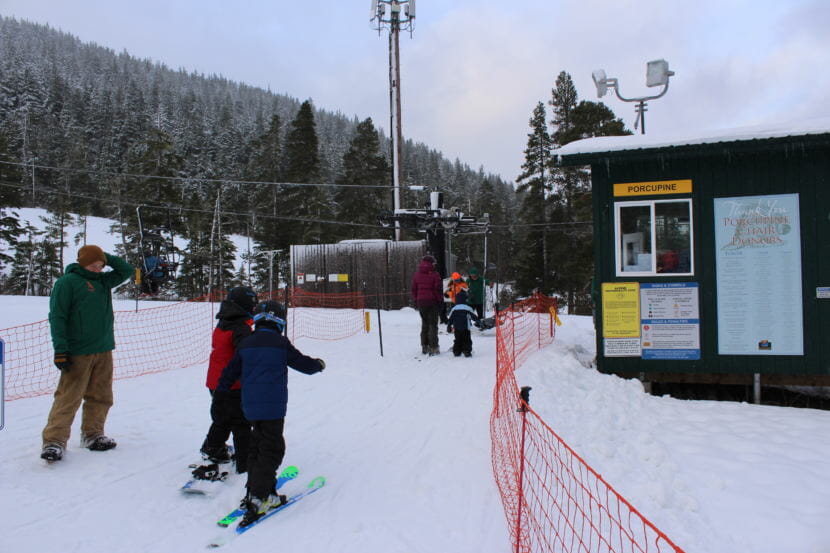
455, 285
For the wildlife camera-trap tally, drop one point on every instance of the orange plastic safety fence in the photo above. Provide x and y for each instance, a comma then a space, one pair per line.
147, 341
553, 500
325, 316
161, 338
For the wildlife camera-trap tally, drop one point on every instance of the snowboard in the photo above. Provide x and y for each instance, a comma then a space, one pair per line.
201, 486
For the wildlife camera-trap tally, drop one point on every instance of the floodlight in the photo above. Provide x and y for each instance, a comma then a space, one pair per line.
600, 81
657, 73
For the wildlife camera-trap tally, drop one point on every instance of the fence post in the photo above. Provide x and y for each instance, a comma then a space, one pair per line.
380, 333
513, 334
523, 403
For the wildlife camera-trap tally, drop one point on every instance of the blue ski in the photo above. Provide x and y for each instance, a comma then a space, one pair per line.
230, 534
290, 473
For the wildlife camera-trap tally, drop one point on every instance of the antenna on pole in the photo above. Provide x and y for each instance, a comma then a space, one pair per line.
399, 15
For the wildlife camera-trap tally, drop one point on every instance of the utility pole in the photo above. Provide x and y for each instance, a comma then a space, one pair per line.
400, 14
270, 254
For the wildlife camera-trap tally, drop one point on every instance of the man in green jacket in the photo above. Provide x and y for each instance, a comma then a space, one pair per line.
475, 292
81, 321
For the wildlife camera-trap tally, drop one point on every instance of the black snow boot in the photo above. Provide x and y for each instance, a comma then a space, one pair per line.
52, 452
217, 455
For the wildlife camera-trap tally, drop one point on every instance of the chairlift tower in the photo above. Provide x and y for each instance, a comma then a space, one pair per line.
436, 221
394, 15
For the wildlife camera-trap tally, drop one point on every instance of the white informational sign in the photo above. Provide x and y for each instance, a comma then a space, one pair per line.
823, 292
300, 278
758, 261
670, 320
2, 383
311, 277
621, 347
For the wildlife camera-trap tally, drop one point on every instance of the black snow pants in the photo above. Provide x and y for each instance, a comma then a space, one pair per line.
264, 456
462, 343
227, 417
429, 326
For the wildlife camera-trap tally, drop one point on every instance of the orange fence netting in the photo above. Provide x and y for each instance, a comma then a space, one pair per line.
325, 316
553, 500
161, 338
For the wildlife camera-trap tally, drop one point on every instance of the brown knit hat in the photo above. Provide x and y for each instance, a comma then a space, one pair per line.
89, 254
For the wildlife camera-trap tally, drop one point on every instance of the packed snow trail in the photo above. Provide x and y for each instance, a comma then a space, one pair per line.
403, 442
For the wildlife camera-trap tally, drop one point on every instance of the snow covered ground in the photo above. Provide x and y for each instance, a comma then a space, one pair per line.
404, 443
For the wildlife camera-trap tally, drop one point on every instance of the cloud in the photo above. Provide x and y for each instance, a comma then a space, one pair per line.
474, 70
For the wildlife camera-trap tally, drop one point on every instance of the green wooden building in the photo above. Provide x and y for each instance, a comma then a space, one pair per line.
712, 254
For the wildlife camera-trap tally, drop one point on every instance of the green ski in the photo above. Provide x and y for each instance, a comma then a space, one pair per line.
290, 473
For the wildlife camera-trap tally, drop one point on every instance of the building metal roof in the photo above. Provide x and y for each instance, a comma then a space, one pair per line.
607, 144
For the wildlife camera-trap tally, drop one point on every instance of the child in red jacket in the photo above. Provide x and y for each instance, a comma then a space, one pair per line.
235, 320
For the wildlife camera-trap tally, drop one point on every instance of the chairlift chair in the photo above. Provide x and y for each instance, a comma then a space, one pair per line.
159, 257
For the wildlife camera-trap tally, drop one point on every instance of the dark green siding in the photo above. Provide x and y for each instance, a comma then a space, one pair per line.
757, 167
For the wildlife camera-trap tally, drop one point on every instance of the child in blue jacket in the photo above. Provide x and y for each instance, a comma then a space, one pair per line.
261, 364
459, 325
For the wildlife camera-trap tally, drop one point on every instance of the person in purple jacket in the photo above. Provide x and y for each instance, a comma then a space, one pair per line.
426, 293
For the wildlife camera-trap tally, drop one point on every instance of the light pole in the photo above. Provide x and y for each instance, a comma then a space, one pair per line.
401, 14
657, 74
270, 254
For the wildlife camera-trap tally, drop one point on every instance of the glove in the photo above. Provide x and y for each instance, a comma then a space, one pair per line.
322, 363
62, 361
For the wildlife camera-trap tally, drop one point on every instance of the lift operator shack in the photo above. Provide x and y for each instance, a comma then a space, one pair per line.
712, 254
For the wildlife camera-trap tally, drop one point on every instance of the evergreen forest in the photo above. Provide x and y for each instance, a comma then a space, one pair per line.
88, 131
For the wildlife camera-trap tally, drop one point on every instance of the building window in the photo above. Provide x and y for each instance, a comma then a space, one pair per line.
654, 238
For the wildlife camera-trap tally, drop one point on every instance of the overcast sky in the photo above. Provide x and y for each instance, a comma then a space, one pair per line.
473, 71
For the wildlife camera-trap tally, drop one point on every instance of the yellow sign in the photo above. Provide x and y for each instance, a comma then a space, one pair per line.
339, 277
653, 188
621, 309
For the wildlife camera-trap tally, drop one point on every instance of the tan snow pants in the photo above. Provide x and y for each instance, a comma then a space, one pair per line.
89, 379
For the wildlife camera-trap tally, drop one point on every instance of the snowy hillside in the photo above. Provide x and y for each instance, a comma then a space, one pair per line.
99, 232
404, 443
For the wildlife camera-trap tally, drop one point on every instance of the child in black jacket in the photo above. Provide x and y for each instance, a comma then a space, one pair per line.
261, 364
459, 325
